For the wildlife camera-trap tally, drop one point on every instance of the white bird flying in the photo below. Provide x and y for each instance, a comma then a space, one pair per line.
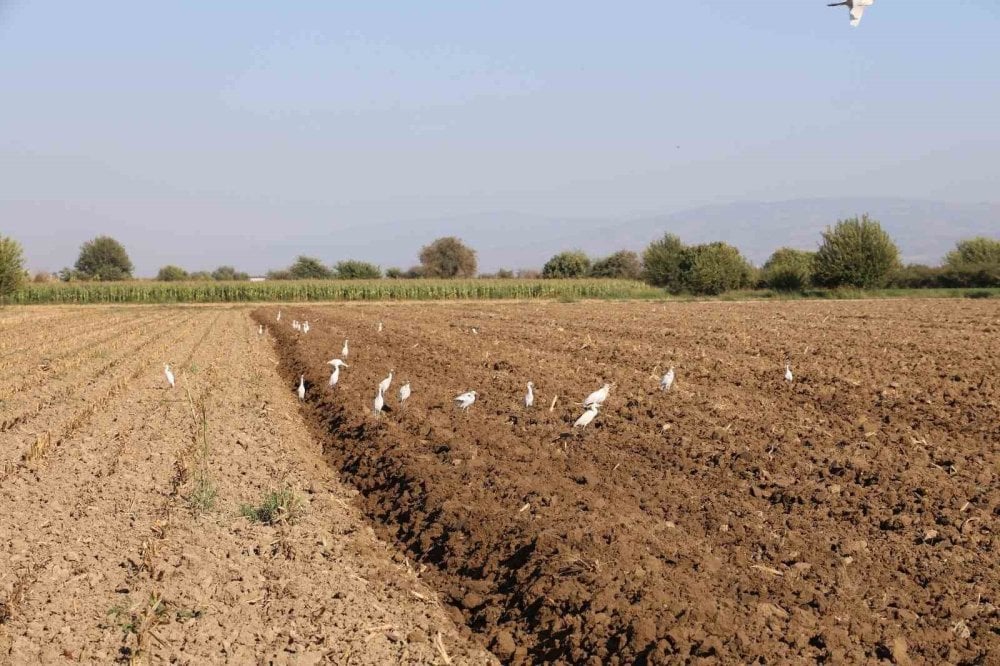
598, 397
404, 393
529, 398
335, 375
383, 385
302, 387
668, 380
169, 375
587, 416
378, 404
857, 8
305, 327
788, 373
345, 352
465, 400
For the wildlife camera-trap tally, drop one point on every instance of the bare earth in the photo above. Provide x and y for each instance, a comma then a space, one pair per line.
103, 558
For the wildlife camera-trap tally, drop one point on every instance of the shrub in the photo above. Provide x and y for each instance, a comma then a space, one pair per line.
228, 274
283, 274
43, 277
714, 268
857, 252
309, 268
504, 274
104, 258
394, 273
623, 264
11, 267
528, 274
447, 257
172, 274
200, 276
917, 276
279, 506
573, 264
980, 251
662, 262
352, 269
788, 269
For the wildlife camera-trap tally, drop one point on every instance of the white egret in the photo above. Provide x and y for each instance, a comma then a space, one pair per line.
260, 329
302, 387
598, 397
345, 352
788, 373
857, 8
335, 375
465, 400
383, 385
380, 327
587, 416
279, 315
305, 327
168, 374
529, 398
668, 380
404, 393
378, 404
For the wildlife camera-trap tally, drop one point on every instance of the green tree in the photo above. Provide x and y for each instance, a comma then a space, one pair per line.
172, 274
394, 273
662, 262
11, 267
789, 269
104, 258
352, 269
573, 264
281, 274
622, 264
448, 257
979, 251
228, 274
857, 252
309, 268
714, 268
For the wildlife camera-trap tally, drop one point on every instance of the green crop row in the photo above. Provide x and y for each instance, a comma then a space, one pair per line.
328, 290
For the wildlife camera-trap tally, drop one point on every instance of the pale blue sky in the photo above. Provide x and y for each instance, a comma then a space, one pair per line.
282, 120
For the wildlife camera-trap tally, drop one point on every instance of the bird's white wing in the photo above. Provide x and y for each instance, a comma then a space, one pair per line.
856, 13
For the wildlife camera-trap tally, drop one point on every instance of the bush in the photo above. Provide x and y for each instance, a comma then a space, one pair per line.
309, 268
972, 275
283, 274
394, 273
573, 264
917, 276
714, 268
43, 277
172, 274
228, 274
980, 251
447, 257
414, 273
11, 267
200, 276
356, 270
788, 270
504, 274
528, 274
856, 253
623, 264
104, 258
662, 262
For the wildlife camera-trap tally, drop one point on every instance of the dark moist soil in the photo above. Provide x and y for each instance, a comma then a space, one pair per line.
847, 517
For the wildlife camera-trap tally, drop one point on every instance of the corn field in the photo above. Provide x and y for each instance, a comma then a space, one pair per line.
328, 290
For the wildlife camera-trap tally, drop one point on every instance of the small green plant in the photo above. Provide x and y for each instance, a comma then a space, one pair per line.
278, 506
202, 498
188, 614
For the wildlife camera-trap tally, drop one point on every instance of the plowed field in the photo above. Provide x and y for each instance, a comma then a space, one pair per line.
849, 516
121, 534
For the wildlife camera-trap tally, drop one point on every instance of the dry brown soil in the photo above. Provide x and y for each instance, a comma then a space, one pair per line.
105, 556
848, 517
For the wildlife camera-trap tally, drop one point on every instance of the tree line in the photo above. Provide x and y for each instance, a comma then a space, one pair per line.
855, 252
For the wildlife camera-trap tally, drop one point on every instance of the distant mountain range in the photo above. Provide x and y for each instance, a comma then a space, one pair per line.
270, 236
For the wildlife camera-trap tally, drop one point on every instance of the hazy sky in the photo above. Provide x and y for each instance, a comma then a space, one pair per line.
188, 125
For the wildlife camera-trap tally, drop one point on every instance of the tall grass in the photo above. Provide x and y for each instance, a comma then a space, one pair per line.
328, 290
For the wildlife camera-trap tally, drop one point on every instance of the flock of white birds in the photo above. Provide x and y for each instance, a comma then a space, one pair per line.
592, 403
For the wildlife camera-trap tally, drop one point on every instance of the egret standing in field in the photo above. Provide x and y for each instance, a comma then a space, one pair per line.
380, 327
378, 404
857, 8
260, 329
345, 352
305, 328
168, 374
383, 385
587, 416
302, 387
598, 397
335, 375
529, 397
465, 400
668, 380
404, 393
788, 373
279, 315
